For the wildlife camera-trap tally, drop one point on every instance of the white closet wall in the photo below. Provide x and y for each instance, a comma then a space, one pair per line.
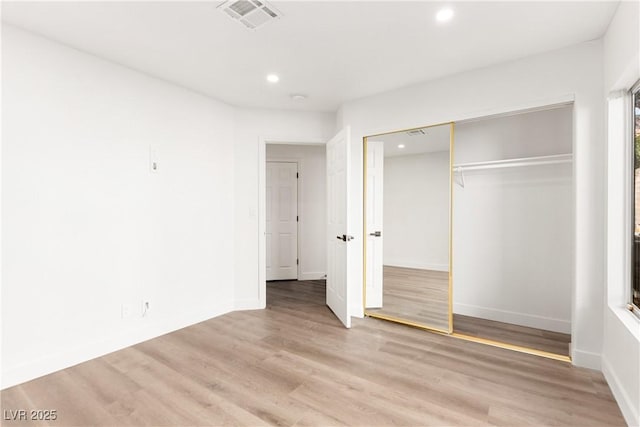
416, 211
512, 233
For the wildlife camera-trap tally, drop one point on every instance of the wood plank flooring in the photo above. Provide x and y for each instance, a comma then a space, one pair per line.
294, 364
416, 295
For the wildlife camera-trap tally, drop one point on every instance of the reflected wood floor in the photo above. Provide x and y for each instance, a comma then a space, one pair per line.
294, 364
420, 296
539, 339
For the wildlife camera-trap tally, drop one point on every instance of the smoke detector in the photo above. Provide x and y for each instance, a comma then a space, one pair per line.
251, 13
415, 132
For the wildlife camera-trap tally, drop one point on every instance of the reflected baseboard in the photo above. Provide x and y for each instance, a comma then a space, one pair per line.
417, 265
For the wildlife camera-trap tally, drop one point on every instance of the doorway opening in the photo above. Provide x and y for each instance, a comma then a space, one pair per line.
295, 222
336, 251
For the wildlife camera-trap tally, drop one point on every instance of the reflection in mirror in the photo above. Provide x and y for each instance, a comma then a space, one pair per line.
407, 226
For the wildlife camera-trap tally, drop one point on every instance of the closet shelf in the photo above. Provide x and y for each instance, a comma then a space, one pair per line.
512, 163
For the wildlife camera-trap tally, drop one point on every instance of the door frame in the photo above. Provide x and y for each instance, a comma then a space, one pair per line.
262, 217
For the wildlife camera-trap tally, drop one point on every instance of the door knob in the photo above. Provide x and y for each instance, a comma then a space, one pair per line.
376, 234
345, 238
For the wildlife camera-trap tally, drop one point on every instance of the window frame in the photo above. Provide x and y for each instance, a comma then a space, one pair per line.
631, 306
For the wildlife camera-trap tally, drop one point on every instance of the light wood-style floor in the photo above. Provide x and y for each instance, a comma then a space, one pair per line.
294, 364
417, 295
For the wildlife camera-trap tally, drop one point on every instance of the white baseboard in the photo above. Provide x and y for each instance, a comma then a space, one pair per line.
248, 304
143, 331
530, 320
630, 412
586, 359
421, 266
312, 275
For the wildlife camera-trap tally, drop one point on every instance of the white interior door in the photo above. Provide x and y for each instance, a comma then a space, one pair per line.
374, 235
282, 221
338, 239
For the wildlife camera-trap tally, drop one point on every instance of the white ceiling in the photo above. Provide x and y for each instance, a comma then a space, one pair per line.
435, 139
330, 51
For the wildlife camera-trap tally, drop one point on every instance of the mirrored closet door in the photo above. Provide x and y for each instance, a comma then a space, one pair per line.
407, 179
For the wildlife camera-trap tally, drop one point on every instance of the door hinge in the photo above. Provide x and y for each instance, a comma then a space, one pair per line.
297, 218
297, 175
297, 261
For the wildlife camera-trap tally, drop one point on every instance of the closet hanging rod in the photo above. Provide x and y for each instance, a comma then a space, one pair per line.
511, 163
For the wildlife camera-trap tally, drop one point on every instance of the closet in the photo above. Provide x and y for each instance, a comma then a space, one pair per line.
512, 233
472, 235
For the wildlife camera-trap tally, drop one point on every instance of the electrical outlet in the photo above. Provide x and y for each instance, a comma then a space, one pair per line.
146, 306
126, 311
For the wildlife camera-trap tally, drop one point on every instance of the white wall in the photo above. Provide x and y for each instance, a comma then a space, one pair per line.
513, 227
86, 226
253, 128
621, 347
622, 48
416, 211
312, 205
573, 73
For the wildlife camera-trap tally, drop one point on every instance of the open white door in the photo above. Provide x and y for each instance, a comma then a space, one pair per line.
338, 238
374, 235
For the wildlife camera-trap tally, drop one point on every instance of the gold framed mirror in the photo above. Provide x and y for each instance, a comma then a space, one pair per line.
407, 209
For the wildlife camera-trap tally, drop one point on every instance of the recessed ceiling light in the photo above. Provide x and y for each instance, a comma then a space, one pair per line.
273, 78
444, 15
400, 145
298, 97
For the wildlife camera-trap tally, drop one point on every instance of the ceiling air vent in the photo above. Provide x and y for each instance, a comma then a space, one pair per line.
251, 13
415, 132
